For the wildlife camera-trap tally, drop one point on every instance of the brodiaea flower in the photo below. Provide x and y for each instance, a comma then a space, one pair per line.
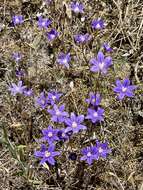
53, 97
17, 56
64, 59
52, 34
107, 47
94, 99
62, 135
42, 100
124, 89
100, 64
88, 154
19, 73
17, 19
17, 89
50, 134
101, 150
43, 23
74, 123
77, 7
95, 115
82, 38
28, 92
58, 114
98, 24
47, 154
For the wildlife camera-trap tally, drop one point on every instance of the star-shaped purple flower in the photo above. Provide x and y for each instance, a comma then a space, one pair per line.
107, 47
17, 19
98, 24
64, 59
42, 101
28, 92
82, 38
95, 115
17, 89
62, 135
89, 154
53, 97
58, 114
43, 23
19, 73
100, 64
94, 99
17, 56
52, 34
101, 150
124, 89
47, 154
50, 134
74, 123
77, 7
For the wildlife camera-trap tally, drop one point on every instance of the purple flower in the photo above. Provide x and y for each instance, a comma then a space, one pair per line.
95, 115
48, 1
53, 97
58, 114
28, 92
64, 59
101, 150
17, 89
82, 38
52, 34
89, 154
50, 134
100, 64
94, 99
62, 135
74, 123
19, 73
77, 7
43, 23
107, 47
98, 24
47, 154
42, 100
17, 56
17, 19
124, 89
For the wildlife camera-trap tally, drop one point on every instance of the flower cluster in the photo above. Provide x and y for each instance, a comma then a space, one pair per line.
91, 153
72, 123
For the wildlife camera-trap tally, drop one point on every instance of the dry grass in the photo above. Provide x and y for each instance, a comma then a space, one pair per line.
123, 125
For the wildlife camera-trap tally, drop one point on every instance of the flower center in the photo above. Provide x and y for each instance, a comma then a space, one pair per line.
82, 38
124, 89
17, 20
17, 89
100, 150
74, 124
98, 25
58, 112
65, 60
89, 154
93, 100
95, 114
52, 36
43, 102
63, 135
47, 154
101, 65
76, 9
50, 134
53, 97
